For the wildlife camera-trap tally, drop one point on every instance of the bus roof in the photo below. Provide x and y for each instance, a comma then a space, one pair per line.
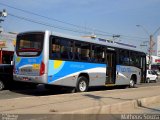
100, 41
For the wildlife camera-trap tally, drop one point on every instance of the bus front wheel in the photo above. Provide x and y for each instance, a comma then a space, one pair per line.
82, 85
132, 83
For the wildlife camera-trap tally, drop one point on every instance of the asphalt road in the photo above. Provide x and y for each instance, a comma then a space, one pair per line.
41, 91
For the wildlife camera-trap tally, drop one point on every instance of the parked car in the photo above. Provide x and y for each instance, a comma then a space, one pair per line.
6, 79
6, 76
156, 72
151, 76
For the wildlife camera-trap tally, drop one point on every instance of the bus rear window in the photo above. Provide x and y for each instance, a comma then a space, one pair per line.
29, 44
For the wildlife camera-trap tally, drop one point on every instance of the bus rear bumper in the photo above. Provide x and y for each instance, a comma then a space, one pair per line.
32, 79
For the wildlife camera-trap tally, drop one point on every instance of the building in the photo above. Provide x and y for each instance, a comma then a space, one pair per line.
155, 62
7, 43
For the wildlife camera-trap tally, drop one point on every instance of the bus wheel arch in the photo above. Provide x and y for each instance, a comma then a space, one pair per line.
133, 81
82, 82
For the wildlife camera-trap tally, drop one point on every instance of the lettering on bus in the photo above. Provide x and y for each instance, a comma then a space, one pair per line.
77, 66
124, 69
32, 60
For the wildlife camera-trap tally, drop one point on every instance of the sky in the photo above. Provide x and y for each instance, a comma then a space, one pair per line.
104, 18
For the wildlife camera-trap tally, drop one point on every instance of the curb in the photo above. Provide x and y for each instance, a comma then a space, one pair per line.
148, 101
118, 107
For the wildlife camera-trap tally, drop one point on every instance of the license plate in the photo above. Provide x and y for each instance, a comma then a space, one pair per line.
25, 78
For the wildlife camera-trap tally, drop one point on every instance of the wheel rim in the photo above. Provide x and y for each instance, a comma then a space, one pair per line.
82, 86
131, 83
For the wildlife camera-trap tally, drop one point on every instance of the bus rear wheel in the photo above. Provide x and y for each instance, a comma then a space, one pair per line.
82, 85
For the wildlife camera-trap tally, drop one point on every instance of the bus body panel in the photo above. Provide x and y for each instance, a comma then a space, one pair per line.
28, 65
46, 51
31, 79
65, 73
124, 74
27, 69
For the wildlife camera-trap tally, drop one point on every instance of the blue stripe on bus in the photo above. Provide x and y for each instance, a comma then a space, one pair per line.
23, 61
68, 67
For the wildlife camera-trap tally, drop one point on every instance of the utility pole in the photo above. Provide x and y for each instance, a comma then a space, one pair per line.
3, 14
151, 43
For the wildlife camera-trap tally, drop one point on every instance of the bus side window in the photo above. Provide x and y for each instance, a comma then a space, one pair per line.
55, 51
67, 49
66, 55
85, 50
92, 59
77, 51
98, 53
77, 55
70, 50
124, 57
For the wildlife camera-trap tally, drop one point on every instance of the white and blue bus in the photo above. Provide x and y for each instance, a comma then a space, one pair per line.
61, 60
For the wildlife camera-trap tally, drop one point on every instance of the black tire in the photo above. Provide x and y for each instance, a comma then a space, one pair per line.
2, 86
82, 85
155, 80
132, 83
148, 80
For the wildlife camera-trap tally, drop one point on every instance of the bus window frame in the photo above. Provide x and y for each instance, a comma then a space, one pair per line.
50, 47
74, 47
139, 54
18, 42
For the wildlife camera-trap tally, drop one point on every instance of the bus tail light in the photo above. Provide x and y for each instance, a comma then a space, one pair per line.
42, 68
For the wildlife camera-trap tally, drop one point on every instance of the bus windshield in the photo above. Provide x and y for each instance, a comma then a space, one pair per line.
30, 44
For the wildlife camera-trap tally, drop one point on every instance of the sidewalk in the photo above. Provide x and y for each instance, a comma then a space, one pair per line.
105, 102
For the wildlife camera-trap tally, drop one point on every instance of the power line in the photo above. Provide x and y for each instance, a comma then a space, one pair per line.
38, 15
46, 24
53, 19
63, 28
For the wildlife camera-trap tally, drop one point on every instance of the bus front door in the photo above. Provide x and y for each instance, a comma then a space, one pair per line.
111, 67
